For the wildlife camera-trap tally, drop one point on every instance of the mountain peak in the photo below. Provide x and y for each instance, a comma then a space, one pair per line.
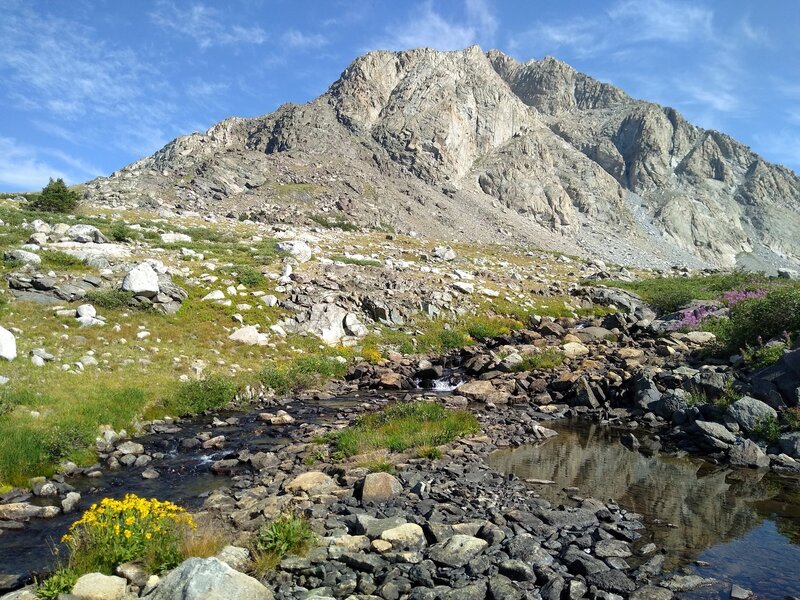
470, 144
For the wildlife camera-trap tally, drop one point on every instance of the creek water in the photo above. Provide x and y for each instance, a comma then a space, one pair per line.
739, 526
185, 478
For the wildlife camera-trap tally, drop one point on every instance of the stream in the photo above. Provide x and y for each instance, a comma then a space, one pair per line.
741, 526
738, 525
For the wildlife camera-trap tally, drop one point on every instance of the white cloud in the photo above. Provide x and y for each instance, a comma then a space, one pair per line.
23, 166
430, 29
205, 25
661, 20
297, 39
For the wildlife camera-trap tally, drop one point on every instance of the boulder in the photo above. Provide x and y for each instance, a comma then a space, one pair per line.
142, 280
23, 256
8, 344
458, 550
85, 234
173, 238
749, 412
574, 349
789, 442
312, 482
408, 536
297, 249
208, 579
249, 336
96, 586
380, 487
748, 454
326, 321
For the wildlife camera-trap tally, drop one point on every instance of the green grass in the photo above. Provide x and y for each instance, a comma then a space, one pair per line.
549, 358
31, 446
791, 416
300, 373
669, 294
401, 427
287, 534
763, 356
768, 429
200, 395
486, 328
337, 222
61, 261
248, 275
362, 262
60, 582
109, 298
378, 466
755, 321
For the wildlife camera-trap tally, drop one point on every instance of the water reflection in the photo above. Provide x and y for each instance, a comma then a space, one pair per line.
708, 507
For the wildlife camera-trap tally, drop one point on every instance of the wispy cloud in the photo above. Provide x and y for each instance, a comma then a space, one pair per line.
662, 20
428, 28
28, 167
297, 39
206, 25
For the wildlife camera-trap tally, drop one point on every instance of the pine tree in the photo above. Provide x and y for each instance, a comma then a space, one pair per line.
56, 197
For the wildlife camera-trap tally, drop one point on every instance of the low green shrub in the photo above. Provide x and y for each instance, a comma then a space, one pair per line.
57, 260
120, 232
247, 275
287, 534
363, 262
485, 328
301, 373
378, 466
60, 582
768, 429
109, 298
791, 417
763, 356
213, 392
775, 315
549, 358
401, 427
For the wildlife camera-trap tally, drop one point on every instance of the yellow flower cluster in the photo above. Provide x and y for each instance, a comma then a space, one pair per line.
131, 516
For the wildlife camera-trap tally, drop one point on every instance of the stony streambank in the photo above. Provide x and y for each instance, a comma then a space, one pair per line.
453, 527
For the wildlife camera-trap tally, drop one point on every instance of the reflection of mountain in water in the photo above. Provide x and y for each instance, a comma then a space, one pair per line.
708, 504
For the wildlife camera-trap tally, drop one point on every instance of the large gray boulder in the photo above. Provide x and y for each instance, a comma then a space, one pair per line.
457, 551
8, 344
142, 280
23, 256
784, 375
297, 249
208, 579
85, 234
750, 413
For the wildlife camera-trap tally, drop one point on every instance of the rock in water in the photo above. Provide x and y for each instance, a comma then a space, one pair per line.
208, 579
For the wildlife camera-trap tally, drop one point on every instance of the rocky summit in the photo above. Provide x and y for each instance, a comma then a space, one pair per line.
472, 145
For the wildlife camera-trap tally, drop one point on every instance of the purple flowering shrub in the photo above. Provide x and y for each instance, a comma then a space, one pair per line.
734, 297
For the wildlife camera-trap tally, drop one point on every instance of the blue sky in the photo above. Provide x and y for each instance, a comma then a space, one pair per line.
88, 86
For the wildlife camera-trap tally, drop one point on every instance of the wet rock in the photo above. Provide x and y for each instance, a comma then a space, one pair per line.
716, 431
612, 548
748, 454
70, 502
612, 581
651, 592
790, 443
202, 579
130, 447
21, 511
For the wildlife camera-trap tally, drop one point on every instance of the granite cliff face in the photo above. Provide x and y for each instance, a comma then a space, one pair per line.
474, 145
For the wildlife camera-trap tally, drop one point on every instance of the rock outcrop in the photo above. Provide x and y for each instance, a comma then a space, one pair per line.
476, 145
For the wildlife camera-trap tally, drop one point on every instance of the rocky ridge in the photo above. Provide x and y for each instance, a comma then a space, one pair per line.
473, 145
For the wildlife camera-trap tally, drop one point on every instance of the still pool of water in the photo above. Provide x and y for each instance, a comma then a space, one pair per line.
745, 524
